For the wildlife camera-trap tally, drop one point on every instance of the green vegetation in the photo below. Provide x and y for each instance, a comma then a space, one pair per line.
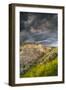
38, 61
48, 69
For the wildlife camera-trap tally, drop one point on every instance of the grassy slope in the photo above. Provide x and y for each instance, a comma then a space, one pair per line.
49, 69
47, 66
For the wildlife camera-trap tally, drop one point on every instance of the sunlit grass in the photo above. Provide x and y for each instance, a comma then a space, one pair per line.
44, 69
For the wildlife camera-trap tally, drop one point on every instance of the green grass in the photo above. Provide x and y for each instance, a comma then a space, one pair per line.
45, 69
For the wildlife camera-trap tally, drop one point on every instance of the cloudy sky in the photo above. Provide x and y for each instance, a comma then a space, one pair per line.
39, 27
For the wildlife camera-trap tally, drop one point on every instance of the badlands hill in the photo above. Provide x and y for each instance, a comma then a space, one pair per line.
32, 55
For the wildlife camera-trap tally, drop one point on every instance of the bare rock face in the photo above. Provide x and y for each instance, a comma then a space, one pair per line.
29, 55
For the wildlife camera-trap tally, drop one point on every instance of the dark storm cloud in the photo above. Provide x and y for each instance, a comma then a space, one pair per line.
38, 27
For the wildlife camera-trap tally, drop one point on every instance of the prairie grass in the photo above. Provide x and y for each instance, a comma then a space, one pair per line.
44, 69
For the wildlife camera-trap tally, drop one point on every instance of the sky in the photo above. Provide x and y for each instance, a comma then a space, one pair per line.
39, 28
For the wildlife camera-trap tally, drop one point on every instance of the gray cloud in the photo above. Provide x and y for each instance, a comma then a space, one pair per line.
39, 27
